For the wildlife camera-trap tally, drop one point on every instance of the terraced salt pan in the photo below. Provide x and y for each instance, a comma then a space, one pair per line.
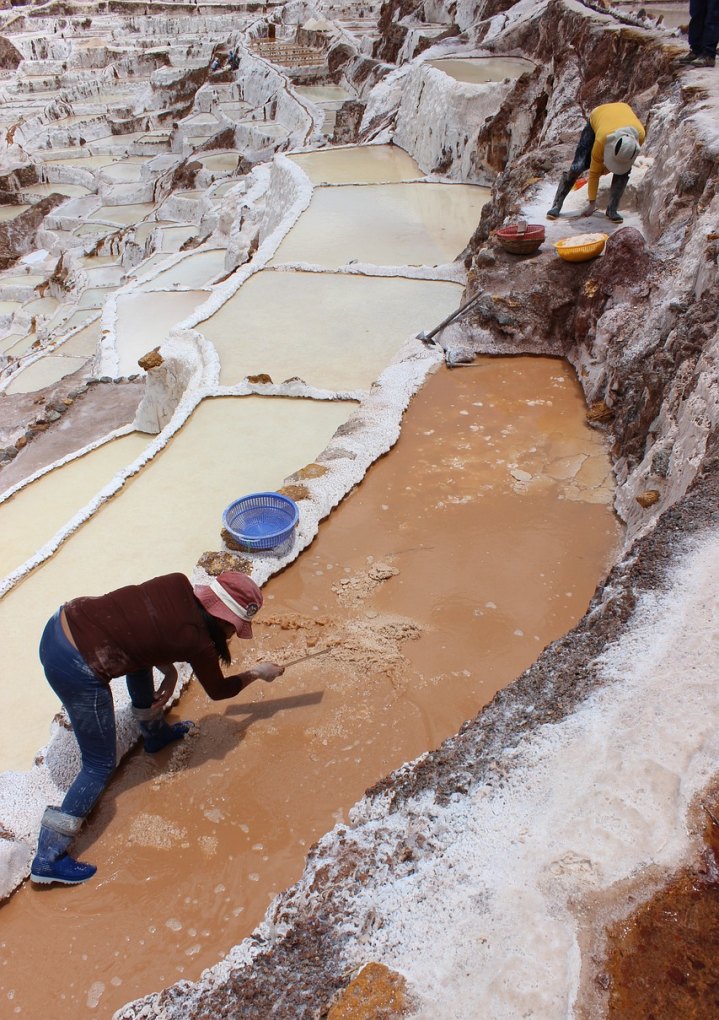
479, 70
84, 162
75, 118
94, 261
41, 306
10, 212
36, 512
197, 270
28, 280
223, 161
96, 230
369, 164
92, 297
124, 215
336, 332
143, 230
235, 111
78, 318
147, 266
172, 238
144, 320
323, 93
8, 342
385, 224
105, 276
44, 372
124, 171
58, 188
84, 342
157, 524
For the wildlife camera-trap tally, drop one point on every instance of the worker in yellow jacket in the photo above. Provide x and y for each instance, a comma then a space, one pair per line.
609, 144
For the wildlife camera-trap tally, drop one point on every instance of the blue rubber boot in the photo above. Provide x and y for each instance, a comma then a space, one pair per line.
156, 733
52, 862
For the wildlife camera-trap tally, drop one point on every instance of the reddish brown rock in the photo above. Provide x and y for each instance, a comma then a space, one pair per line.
376, 993
153, 359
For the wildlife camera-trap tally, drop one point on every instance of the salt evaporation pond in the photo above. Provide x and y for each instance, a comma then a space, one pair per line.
196, 270
123, 215
384, 224
28, 280
10, 340
36, 512
8, 308
172, 238
144, 320
367, 164
336, 332
323, 93
105, 276
328, 97
480, 70
221, 162
123, 171
163, 520
56, 188
44, 372
143, 230
10, 212
84, 342
284, 763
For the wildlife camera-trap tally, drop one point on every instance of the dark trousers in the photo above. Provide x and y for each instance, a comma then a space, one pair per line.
704, 27
583, 154
583, 158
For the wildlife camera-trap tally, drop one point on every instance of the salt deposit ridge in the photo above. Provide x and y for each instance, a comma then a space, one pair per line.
480, 877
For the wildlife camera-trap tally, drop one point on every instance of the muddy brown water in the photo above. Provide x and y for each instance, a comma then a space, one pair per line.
476, 541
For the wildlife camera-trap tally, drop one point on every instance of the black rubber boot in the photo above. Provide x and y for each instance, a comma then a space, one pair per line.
565, 186
52, 862
619, 183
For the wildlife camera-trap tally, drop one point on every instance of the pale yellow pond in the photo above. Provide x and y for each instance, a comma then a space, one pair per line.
336, 332
9, 212
44, 372
162, 521
418, 224
144, 320
34, 514
196, 270
479, 70
84, 342
368, 164
124, 215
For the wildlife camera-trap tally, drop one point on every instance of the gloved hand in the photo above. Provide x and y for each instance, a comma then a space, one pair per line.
589, 209
268, 671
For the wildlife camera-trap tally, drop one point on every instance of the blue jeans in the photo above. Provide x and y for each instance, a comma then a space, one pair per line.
88, 702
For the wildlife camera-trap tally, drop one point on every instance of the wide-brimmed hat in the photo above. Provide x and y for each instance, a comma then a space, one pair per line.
234, 597
621, 149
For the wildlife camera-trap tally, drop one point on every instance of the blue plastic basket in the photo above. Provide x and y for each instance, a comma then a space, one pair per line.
262, 520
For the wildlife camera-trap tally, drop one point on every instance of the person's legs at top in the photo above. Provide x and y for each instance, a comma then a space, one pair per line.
703, 33
88, 703
710, 34
156, 732
580, 163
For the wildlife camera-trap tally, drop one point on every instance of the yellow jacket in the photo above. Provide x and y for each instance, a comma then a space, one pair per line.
605, 119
